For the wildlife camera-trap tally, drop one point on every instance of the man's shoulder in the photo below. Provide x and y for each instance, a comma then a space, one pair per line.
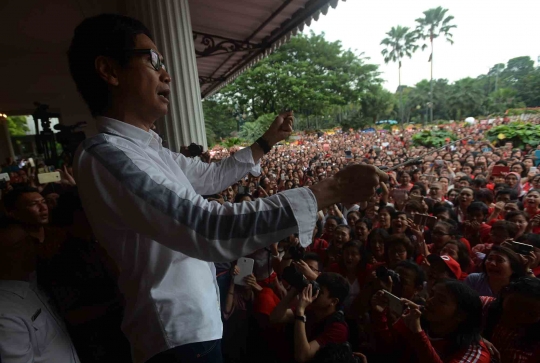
101, 143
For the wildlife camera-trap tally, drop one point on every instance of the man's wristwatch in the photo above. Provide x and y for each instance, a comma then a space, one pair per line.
265, 146
302, 318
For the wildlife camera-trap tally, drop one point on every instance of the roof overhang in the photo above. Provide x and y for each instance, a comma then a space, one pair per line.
238, 34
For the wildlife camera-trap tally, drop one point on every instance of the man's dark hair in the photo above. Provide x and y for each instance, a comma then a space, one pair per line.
467, 179
399, 239
11, 198
511, 192
479, 183
510, 228
238, 197
445, 208
336, 285
477, 207
501, 162
102, 35
418, 271
311, 256
484, 195
419, 187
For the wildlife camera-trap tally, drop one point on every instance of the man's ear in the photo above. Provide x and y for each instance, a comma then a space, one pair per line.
106, 68
334, 301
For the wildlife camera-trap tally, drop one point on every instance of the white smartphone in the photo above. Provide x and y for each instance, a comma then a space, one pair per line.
48, 177
394, 303
31, 162
4, 177
533, 169
245, 265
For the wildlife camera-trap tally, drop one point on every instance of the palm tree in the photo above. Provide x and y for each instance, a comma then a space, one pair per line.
435, 23
399, 43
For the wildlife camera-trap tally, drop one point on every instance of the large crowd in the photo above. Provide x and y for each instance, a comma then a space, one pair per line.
441, 266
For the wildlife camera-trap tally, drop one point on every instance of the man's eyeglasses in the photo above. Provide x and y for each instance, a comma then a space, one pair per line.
155, 59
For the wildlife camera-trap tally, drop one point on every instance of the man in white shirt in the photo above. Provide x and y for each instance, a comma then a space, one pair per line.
30, 329
143, 201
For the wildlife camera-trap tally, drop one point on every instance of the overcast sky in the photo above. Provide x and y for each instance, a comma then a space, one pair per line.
488, 32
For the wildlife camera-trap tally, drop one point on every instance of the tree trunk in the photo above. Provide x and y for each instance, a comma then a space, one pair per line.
400, 98
431, 84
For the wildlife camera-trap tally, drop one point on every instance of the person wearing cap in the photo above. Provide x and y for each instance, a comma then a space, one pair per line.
442, 268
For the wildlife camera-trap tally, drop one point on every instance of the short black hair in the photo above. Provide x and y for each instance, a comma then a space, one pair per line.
102, 35
419, 271
485, 195
511, 192
312, 256
466, 178
368, 222
337, 285
477, 207
420, 187
11, 198
510, 228
399, 239
239, 196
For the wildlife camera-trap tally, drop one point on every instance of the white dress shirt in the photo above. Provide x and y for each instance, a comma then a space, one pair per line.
30, 331
143, 202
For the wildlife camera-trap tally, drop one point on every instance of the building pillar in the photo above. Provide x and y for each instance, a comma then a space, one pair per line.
169, 22
6, 147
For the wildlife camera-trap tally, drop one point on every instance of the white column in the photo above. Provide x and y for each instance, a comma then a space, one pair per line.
6, 148
169, 22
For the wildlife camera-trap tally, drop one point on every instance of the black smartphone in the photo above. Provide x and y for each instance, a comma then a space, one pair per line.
521, 248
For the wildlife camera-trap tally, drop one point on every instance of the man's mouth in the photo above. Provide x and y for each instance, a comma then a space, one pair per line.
164, 94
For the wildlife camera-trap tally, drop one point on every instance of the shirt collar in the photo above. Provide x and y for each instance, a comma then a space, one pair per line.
19, 288
139, 136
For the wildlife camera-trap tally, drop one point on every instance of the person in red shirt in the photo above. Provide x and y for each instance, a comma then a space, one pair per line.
512, 322
447, 330
317, 318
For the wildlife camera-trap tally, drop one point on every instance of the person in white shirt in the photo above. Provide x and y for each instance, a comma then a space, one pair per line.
144, 201
30, 329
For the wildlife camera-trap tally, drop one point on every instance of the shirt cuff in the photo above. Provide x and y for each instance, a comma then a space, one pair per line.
246, 156
304, 206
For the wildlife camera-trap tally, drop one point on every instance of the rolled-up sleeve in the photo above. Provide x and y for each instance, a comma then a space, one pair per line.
127, 191
214, 177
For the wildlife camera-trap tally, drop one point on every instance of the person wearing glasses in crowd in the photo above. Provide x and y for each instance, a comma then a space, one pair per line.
144, 201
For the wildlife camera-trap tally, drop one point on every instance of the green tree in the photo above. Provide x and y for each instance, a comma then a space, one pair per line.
251, 131
528, 90
308, 74
466, 98
503, 99
17, 125
219, 120
435, 24
399, 43
516, 70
